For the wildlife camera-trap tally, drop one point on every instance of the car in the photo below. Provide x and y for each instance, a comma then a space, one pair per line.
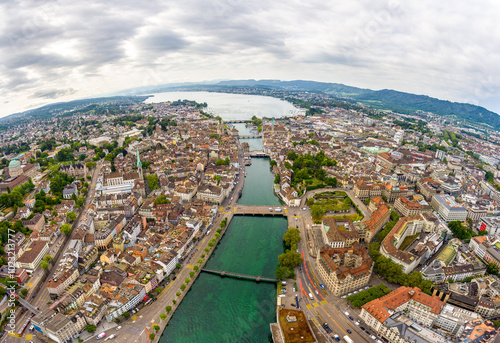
346, 313
373, 337
303, 208
351, 318
348, 331
355, 292
101, 335
327, 328
357, 323
349, 294
362, 328
344, 296
118, 328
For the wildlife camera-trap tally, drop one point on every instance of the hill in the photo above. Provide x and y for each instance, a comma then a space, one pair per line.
408, 103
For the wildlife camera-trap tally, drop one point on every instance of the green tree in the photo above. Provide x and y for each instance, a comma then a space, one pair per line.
152, 336
282, 272
24, 292
290, 259
90, 328
174, 301
178, 294
187, 280
162, 199
156, 327
317, 212
291, 237
153, 181
492, 268
183, 287
192, 274
163, 316
126, 315
196, 268
168, 308
71, 216
48, 258
277, 179
44, 265
66, 229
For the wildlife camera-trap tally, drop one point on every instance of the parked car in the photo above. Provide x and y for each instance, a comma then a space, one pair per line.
348, 331
118, 328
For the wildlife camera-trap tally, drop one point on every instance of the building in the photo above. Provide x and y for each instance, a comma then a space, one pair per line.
32, 256
344, 270
408, 208
372, 226
210, 193
78, 170
69, 191
448, 209
339, 233
421, 307
126, 299
35, 223
490, 224
405, 232
9, 184
58, 327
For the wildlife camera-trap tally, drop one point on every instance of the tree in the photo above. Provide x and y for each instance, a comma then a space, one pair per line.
90, 328
44, 265
162, 199
126, 315
163, 316
178, 294
71, 216
183, 287
168, 308
24, 292
187, 280
178, 266
492, 268
196, 268
174, 301
153, 181
152, 336
317, 212
156, 327
48, 258
277, 179
291, 237
282, 272
290, 259
66, 229
192, 274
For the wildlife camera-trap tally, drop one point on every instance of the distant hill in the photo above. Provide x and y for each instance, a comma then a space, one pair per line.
51, 109
408, 103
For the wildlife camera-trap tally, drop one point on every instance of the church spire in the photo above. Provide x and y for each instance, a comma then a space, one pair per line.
139, 163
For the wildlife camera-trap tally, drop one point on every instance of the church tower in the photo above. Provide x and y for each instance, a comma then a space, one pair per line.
139, 163
272, 126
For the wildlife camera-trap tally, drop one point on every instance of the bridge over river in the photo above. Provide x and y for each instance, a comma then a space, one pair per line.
240, 276
260, 210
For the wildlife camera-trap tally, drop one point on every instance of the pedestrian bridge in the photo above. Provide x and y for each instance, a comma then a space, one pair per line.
258, 153
250, 136
259, 210
223, 273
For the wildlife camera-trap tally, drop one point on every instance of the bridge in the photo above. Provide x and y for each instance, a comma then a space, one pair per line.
250, 136
236, 121
258, 153
260, 210
223, 273
27, 305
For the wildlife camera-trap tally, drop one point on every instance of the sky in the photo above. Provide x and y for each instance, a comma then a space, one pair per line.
60, 50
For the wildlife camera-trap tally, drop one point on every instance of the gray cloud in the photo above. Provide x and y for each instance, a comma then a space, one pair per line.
62, 50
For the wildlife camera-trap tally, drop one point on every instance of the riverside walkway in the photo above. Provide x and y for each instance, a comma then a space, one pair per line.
223, 273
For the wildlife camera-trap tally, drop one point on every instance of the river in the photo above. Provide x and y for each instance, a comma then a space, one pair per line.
220, 309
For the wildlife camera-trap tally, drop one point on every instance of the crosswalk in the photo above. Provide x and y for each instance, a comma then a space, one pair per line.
317, 304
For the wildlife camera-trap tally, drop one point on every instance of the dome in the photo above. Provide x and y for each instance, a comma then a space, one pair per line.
14, 164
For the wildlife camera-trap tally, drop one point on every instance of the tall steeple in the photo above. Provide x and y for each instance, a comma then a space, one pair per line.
272, 126
139, 163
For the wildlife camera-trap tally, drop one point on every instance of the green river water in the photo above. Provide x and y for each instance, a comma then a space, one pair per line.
220, 309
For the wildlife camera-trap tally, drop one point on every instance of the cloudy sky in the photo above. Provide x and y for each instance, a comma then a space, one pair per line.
59, 50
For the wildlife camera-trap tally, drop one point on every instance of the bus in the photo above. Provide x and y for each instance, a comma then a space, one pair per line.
347, 339
20, 330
